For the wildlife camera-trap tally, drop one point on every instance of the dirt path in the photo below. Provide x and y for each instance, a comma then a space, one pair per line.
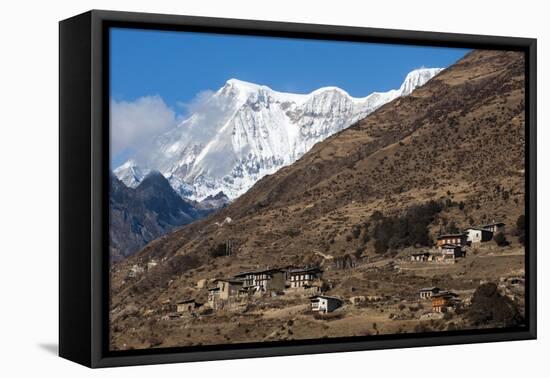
277, 313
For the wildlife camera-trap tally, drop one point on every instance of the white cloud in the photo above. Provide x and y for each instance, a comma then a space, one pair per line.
135, 123
198, 103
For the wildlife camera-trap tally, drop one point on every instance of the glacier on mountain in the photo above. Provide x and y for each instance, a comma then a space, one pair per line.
245, 131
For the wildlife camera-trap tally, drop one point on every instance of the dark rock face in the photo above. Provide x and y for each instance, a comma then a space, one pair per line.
147, 212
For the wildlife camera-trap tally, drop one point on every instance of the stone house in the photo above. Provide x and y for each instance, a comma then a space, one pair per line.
303, 277
229, 288
213, 296
187, 305
263, 280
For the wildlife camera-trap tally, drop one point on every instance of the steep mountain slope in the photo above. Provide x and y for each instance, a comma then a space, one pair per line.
245, 131
459, 138
142, 214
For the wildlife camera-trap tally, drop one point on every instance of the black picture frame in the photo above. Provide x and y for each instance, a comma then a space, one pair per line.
84, 172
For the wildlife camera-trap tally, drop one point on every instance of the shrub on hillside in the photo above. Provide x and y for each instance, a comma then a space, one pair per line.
380, 247
489, 306
520, 229
408, 229
218, 250
500, 239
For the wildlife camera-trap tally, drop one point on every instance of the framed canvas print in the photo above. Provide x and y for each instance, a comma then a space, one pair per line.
234, 188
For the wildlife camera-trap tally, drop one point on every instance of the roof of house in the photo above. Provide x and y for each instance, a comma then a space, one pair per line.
186, 301
260, 271
478, 229
450, 236
325, 297
305, 270
498, 224
231, 280
445, 294
433, 288
421, 254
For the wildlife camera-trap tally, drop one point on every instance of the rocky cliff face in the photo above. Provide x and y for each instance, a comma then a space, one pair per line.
145, 213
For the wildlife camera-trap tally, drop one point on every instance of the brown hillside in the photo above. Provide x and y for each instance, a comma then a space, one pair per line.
459, 138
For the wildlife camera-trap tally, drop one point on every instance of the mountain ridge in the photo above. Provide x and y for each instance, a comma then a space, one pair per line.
246, 131
139, 215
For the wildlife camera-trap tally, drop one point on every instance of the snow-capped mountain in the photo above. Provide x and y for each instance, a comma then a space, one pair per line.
130, 174
245, 131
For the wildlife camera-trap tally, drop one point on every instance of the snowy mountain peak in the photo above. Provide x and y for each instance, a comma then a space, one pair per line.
334, 90
131, 174
241, 84
417, 78
245, 131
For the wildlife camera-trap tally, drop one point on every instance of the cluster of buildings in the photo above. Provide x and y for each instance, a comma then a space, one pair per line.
273, 281
234, 291
442, 300
450, 247
307, 281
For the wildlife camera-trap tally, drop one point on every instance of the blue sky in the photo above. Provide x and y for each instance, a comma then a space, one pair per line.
154, 72
177, 65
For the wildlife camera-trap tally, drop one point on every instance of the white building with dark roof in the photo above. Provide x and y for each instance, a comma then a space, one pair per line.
324, 303
478, 234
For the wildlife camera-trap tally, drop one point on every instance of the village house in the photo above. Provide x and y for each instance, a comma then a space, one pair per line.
304, 277
166, 305
495, 228
247, 278
428, 292
229, 288
263, 280
478, 235
450, 252
188, 305
324, 303
456, 239
213, 296
444, 301
422, 257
